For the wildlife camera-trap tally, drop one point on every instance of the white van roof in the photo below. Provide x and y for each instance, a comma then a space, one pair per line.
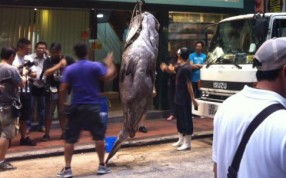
248, 16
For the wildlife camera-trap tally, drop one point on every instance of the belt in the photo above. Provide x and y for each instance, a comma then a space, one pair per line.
24, 92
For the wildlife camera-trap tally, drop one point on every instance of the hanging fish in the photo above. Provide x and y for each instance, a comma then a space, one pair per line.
137, 74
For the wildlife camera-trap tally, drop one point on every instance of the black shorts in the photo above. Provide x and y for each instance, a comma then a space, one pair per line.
84, 117
26, 109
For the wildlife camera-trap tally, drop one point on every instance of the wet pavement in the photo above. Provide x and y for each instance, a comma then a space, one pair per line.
160, 160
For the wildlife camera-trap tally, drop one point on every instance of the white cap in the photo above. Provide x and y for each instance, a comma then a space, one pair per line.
271, 54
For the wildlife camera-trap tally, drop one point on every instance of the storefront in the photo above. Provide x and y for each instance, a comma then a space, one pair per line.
185, 28
269, 5
70, 21
43, 24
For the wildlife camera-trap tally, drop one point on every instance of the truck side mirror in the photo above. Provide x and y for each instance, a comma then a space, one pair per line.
252, 48
260, 27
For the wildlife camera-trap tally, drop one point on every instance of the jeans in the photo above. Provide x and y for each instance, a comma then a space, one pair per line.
40, 101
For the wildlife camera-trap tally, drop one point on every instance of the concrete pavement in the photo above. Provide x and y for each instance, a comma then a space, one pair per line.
156, 161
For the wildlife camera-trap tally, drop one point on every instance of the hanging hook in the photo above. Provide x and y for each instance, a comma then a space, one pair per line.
141, 2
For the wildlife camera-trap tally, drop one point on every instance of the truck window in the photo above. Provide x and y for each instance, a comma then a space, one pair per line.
233, 40
279, 28
234, 36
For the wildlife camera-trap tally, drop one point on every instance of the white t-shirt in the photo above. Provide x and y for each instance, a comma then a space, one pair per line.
39, 62
265, 153
18, 61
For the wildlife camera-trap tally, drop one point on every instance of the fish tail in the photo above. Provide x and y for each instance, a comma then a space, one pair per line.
123, 135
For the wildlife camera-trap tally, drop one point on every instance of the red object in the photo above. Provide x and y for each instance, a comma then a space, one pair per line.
85, 35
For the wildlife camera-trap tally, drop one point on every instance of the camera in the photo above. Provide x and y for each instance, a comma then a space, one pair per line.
26, 65
29, 64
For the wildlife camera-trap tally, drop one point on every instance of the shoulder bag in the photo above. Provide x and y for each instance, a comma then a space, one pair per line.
233, 169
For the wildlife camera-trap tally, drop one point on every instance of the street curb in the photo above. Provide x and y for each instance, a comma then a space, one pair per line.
115, 118
151, 115
85, 148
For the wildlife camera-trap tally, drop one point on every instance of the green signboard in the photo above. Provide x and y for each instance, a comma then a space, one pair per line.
207, 3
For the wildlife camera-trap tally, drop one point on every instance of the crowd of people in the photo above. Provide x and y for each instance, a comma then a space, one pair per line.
42, 73
29, 81
38, 79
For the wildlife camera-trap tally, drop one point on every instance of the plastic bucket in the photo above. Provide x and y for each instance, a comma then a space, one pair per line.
109, 143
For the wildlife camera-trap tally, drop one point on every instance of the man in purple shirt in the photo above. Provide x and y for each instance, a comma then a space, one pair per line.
83, 79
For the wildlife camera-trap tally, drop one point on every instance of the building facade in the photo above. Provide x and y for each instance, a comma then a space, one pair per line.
100, 23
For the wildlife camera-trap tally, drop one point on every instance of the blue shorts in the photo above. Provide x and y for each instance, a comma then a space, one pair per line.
84, 117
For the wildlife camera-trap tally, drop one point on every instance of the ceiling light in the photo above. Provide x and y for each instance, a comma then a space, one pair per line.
99, 16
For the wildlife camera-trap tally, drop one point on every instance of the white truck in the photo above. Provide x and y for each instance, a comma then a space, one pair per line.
230, 55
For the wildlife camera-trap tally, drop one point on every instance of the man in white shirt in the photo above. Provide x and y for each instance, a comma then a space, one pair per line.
38, 96
24, 63
265, 152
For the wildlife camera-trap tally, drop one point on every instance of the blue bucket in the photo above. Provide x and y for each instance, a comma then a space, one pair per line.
109, 143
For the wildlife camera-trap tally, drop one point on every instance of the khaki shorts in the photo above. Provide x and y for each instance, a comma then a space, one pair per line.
8, 126
51, 103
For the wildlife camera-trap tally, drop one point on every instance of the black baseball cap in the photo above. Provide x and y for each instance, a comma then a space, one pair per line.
183, 52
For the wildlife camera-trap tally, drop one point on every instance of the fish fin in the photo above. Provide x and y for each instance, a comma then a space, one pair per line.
131, 68
122, 73
150, 72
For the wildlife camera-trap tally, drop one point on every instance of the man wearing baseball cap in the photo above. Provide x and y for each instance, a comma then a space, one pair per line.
184, 97
265, 151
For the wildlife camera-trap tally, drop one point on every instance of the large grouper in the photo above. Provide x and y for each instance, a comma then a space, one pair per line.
137, 74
